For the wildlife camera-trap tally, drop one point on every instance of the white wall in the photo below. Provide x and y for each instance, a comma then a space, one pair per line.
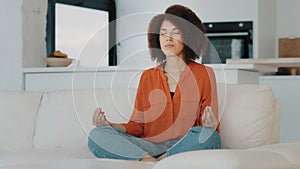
287, 20
11, 45
266, 34
288, 23
34, 32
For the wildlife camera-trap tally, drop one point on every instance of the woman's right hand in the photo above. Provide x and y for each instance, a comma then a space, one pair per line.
99, 118
209, 119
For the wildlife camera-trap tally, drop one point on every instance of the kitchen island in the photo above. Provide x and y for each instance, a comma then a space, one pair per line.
58, 78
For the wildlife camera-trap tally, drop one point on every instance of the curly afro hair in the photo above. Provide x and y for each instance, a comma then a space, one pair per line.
188, 23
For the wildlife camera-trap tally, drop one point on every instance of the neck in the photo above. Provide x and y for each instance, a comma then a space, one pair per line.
174, 65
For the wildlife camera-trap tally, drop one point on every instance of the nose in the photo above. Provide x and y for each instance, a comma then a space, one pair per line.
169, 37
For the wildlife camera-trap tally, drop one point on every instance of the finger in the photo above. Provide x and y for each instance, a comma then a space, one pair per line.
99, 118
207, 117
212, 119
98, 122
98, 112
204, 117
211, 114
96, 115
102, 119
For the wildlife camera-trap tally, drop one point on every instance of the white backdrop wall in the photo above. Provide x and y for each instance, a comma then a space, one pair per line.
11, 45
34, 32
288, 23
287, 19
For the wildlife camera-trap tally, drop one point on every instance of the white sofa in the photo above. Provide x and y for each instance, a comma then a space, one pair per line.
49, 130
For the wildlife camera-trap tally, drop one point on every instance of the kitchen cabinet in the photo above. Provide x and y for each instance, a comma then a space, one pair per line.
49, 79
287, 90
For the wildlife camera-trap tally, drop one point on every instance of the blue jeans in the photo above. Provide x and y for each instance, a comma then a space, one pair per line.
108, 142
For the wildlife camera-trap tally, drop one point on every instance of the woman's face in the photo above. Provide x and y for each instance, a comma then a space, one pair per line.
171, 40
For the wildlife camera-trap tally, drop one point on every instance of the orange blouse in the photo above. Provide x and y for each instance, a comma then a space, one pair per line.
157, 117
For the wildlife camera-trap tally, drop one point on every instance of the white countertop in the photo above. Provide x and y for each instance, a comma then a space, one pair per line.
250, 67
80, 69
275, 62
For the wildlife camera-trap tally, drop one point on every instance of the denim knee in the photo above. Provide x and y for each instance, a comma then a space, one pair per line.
96, 134
94, 148
101, 143
207, 135
198, 138
100, 130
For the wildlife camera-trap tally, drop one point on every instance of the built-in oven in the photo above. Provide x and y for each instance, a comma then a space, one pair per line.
230, 40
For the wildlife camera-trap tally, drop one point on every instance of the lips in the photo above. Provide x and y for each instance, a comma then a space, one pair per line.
169, 46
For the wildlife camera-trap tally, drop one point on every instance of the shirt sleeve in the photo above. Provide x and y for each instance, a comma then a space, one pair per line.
209, 96
135, 125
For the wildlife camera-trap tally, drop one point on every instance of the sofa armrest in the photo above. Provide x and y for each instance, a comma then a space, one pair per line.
276, 127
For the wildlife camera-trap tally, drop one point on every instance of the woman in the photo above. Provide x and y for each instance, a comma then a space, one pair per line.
176, 102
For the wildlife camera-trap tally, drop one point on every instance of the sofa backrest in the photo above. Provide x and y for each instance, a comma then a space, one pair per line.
249, 115
18, 110
65, 117
246, 112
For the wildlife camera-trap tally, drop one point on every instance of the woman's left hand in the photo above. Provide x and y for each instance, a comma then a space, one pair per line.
99, 118
208, 118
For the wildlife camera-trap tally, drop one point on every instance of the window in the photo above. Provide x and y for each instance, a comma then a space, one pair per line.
84, 29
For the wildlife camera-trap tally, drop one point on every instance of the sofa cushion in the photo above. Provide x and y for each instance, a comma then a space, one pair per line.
225, 159
65, 159
247, 115
65, 117
17, 119
290, 150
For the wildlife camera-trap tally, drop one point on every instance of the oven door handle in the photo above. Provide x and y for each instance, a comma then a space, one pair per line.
227, 34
